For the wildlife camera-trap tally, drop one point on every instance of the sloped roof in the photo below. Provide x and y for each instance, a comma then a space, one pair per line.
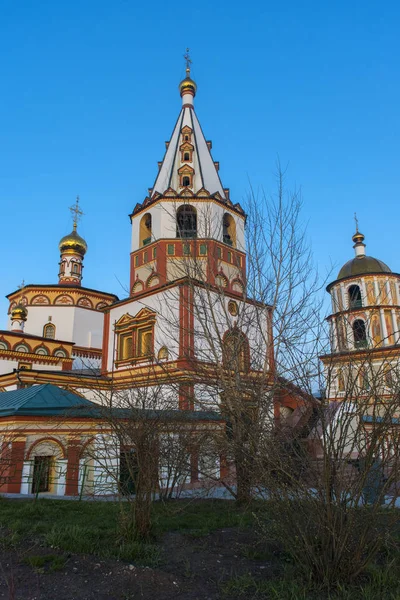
40, 400
48, 400
205, 173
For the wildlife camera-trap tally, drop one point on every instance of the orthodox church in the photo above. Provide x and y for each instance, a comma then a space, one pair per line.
69, 346
186, 319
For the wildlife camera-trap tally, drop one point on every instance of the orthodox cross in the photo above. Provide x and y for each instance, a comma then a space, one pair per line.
22, 284
76, 212
356, 220
186, 56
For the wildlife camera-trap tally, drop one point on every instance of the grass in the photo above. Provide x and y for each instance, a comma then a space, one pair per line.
38, 562
92, 527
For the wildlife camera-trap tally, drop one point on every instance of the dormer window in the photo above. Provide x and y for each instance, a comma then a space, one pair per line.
186, 156
185, 181
186, 176
186, 138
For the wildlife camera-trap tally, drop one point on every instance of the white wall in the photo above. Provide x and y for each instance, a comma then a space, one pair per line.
73, 323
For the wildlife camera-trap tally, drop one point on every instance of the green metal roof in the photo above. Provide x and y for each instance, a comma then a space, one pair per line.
49, 401
362, 265
40, 400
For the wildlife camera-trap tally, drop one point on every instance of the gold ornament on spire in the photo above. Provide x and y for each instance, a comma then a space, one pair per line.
187, 85
358, 237
74, 243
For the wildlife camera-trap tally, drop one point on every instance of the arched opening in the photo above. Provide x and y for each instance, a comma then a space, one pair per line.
235, 351
49, 331
355, 300
229, 230
75, 268
360, 334
186, 222
186, 156
185, 181
145, 230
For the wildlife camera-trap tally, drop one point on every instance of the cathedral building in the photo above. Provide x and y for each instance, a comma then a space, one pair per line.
185, 321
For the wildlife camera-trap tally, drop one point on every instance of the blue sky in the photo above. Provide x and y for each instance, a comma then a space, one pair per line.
88, 96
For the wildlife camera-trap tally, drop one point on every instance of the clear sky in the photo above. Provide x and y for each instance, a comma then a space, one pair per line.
88, 95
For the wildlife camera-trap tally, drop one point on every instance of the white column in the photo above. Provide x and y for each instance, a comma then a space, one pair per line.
384, 328
61, 473
26, 478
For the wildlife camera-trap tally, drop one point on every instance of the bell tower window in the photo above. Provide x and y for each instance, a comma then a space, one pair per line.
145, 230
186, 181
186, 156
360, 334
355, 300
229, 230
186, 222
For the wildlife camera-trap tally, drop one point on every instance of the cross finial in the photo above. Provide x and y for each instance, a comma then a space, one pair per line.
76, 213
22, 284
356, 220
186, 56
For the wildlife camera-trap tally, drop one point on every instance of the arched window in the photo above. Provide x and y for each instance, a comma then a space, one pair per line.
360, 334
355, 300
145, 342
185, 181
49, 331
75, 268
186, 222
229, 230
235, 351
145, 230
186, 156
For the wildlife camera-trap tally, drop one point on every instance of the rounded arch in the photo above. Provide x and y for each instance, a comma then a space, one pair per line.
12, 306
138, 286
153, 280
42, 350
40, 299
64, 300
60, 352
229, 230
48, 443
4, 345
186, 221
221, 280
86, 302
354, 296
359, 333
237, 285
22, 347
163, 353
145, 229
101, 305
235, 350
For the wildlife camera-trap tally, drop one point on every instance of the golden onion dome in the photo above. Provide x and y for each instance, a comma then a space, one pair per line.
187, 85
73, 243
358, 237
19, 312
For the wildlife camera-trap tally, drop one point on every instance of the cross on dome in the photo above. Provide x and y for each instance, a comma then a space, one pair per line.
76, 213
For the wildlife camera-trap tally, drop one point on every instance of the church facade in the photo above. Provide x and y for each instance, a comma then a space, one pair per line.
186, 322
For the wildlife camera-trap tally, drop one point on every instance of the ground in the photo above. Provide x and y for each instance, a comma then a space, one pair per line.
200, 550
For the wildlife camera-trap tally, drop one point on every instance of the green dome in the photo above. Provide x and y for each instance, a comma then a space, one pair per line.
362, 265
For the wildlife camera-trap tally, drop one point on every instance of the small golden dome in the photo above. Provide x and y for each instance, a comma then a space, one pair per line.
187, 85
73, 243
19, 313
358, 238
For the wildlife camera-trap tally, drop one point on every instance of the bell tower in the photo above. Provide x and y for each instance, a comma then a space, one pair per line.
187, 214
